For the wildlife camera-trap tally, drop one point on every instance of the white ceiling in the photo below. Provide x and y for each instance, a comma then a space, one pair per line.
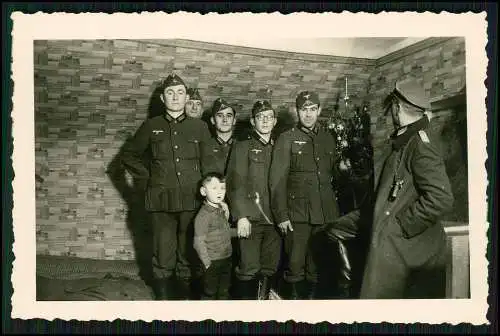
362, 47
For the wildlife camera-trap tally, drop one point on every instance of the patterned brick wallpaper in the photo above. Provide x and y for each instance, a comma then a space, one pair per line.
91, 95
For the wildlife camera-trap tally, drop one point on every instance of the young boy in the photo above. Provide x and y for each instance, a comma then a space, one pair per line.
212, 238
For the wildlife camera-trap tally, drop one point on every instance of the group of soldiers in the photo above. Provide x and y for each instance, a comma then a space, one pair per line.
281, 195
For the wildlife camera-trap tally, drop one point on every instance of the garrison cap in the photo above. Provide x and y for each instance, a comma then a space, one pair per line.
260, 106
194, 94
220, 104
172, 80
306, 98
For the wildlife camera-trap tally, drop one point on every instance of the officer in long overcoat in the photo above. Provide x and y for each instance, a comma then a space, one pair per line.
407, 255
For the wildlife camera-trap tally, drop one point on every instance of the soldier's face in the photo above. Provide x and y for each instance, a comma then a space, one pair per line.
308, 115
264, 122
224, 120
194, 108
174, 98
403, 114
214, 191
395, 111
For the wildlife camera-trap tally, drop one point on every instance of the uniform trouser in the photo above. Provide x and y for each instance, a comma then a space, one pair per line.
260, 252
173, 250
388, 277
216, 280
303, 249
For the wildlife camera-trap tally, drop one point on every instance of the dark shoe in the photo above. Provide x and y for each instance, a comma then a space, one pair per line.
196, 288
344, 291
312, 290
263, 288
163, 288
247, 289
183, 289
292, 290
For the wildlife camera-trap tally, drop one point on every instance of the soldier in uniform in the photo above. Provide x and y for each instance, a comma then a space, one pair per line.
171, 174
248, 199
302, 196
194, 103
215, 152
407, 254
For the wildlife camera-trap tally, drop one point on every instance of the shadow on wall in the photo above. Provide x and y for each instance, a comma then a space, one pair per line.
134, 196
156, 107
137, 216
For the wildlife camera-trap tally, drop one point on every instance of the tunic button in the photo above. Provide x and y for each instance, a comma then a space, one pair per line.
175, 132
387, 213
319, 173
175, 147
177, 160
317, 159
178, 173
300, 152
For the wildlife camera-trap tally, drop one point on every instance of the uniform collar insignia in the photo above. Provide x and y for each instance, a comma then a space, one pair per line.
261, 139
221, 141
307, 130
399, 140
178, 119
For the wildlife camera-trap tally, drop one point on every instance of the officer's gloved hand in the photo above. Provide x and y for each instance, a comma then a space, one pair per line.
344, 228
244, 227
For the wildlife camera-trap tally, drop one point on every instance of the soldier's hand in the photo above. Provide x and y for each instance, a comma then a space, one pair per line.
244, 227
128, 178
285, 226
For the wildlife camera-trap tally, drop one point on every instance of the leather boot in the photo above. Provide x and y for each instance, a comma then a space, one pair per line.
247, 289
294, 291
312, 290
164, 288
183, 289
160, 289
344, 282
263, 288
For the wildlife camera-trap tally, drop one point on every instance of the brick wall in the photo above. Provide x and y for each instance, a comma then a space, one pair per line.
91, 95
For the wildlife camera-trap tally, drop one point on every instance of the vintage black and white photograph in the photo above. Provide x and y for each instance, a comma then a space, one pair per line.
233, 168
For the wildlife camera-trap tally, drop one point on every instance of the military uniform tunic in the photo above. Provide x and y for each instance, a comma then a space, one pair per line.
301, 177
214, 155
172, 174
302, 172
248, 174
174, 167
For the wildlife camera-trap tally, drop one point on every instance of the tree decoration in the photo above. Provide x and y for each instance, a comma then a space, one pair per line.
354, 150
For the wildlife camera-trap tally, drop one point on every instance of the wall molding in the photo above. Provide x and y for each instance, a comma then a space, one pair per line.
413, 48
182, 43
406, 51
